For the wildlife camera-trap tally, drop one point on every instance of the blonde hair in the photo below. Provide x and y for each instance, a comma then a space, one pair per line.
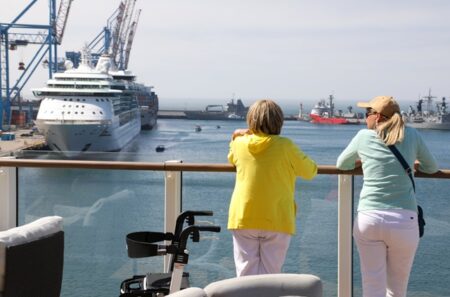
265, 116
392, 130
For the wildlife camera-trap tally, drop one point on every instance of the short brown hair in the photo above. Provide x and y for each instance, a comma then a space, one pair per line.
265, 116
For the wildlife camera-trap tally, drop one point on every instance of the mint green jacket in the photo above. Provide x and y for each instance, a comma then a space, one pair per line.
386, 184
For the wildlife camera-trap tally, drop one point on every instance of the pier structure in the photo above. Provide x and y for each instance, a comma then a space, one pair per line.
18, 140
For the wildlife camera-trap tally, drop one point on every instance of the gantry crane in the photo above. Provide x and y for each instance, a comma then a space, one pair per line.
117, 37
129, 41
48, 36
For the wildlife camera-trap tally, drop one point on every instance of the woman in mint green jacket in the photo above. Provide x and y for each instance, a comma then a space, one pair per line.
386, 228
262, 208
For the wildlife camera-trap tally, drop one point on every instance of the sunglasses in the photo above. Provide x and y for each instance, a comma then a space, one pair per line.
370, 112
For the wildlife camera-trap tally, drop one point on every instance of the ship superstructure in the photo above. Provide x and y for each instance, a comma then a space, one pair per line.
325, 113
429, 117
234, 111
146, 97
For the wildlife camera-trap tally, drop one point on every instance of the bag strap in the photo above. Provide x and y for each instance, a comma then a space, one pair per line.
402, 161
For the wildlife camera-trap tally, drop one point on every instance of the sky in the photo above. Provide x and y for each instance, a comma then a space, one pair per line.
198, 52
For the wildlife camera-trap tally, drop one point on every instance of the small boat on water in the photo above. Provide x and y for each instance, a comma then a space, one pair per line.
160, 148
431, 117
198, 128
325, 113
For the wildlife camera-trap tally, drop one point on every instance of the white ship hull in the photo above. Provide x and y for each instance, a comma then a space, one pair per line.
72, 138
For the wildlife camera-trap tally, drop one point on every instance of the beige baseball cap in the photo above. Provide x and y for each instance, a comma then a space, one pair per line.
386, 105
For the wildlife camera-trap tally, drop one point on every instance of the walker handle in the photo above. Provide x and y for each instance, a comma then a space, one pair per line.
209, 228
189, 217
195, 231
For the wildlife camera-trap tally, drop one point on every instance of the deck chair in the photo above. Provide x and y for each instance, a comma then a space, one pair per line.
189, 292
31, 259
267, 285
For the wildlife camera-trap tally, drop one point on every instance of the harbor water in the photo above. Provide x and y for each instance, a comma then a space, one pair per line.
101, 206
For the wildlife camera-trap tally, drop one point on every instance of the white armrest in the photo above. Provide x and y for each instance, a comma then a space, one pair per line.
26, 233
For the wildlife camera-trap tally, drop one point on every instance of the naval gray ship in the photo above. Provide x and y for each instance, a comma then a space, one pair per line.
433, 116
234, 111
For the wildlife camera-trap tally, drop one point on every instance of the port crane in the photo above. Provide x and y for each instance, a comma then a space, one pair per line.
115, 39
13, 35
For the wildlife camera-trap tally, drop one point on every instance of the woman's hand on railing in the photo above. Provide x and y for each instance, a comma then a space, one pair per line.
240, 132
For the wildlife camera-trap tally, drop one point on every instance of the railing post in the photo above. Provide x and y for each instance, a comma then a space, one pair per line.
8, 198
345, 213
172, 203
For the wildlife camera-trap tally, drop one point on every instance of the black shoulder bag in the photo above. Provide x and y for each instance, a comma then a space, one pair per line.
408, 170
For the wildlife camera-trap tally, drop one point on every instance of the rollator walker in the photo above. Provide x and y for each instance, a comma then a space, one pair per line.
149, 244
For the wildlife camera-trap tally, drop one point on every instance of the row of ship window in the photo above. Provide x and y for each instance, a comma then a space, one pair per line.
76, 106
84, 100
76, 112
78, 86
78, 99
83, 79
82, 106
116, 102
82, 112
90, 94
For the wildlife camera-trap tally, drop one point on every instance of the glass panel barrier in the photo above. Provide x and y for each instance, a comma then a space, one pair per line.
312, 250
431, 269
99, 208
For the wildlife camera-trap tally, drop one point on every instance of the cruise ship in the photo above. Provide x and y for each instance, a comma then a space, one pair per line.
93, 109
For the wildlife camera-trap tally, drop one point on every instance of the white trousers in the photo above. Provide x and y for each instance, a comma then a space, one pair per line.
387, 241
259, 251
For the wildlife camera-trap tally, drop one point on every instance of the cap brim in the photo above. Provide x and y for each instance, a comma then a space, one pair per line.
363, 104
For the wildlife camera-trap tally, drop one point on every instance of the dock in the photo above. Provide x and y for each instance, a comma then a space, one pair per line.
22, 140
171, 114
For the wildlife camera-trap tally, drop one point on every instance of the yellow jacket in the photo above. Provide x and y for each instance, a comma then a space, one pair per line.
263, 196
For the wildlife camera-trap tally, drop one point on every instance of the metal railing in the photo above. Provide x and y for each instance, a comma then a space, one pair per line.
173, 181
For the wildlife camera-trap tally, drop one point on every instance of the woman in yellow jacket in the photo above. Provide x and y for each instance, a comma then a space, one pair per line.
262, 209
